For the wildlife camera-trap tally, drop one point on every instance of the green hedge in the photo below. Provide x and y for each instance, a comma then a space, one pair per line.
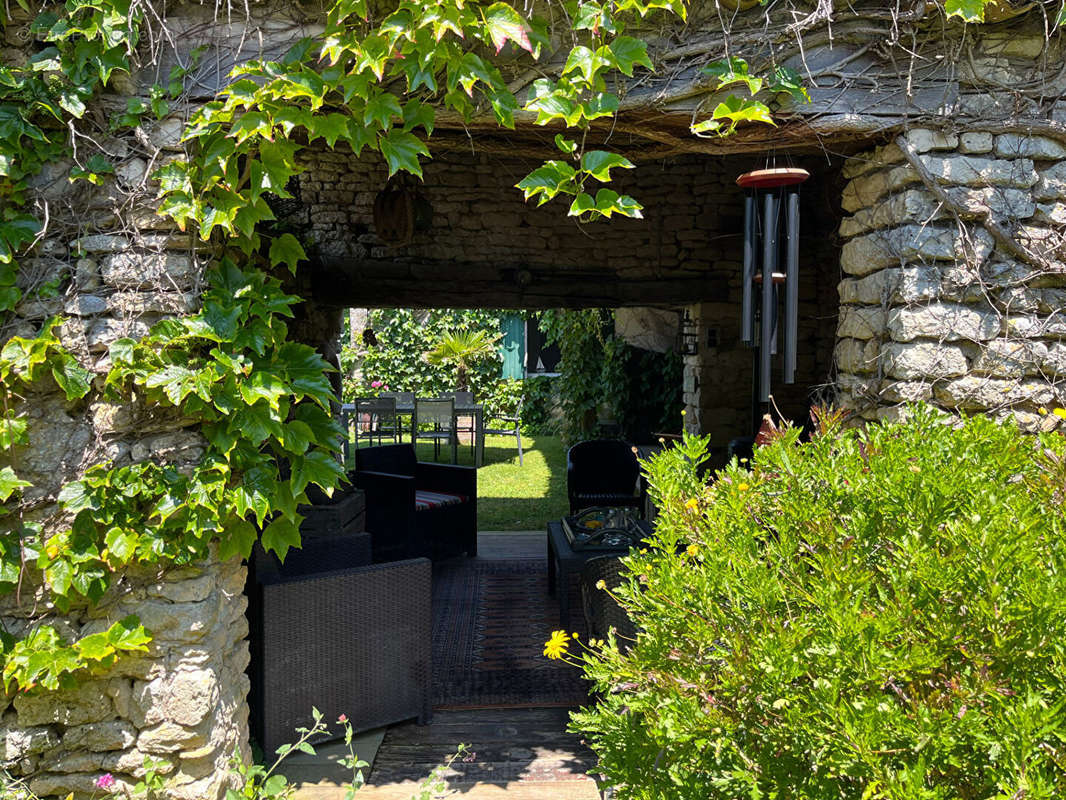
877, 614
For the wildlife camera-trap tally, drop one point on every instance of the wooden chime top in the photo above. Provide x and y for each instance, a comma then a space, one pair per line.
773, 178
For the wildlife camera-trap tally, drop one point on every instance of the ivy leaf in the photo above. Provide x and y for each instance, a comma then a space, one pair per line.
401, 150
602, 104
10, 482
279, 536
568, 146
318, 467
582, 204
547, 181
238, 540
585, 61
967, 10
12, 431
786, 79
416, 113
288, 250
71, 377
330, 127
128, 634
504, 23
263, 386
598, 164
733, 70
737, 110
1060, 18
628, 53
381, 109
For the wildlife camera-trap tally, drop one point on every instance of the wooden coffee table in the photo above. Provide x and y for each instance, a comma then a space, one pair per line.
563, 561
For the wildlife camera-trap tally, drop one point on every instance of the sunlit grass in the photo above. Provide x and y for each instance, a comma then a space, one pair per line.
512, 497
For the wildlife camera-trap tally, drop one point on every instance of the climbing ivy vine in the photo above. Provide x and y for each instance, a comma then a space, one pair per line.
372, 82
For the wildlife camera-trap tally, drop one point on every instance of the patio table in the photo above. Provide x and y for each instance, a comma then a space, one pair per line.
475, 410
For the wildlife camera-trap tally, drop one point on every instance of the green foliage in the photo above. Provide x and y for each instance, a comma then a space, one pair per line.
600, 372
461, 350
876, 614
403, 334
733, 110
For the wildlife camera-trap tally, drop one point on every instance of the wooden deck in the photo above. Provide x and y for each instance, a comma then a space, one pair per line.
513, 753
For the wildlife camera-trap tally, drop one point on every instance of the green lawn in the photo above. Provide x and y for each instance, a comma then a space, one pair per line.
512, 497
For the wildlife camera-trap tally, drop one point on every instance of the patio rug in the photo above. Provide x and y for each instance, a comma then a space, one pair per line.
490, 621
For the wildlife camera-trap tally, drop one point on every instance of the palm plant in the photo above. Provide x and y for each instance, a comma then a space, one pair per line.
462, 350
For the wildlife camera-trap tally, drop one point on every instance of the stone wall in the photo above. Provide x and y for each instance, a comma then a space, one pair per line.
182, 703
955, 263
111, 268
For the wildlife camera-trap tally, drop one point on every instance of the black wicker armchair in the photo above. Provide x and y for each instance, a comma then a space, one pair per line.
425, 509
603, 472
329, 630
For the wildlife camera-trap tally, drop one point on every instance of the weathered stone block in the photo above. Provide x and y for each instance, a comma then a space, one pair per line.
898, 285
896, 246
944, 322
185, 697
921, 140
100, 243
1003, 203
168, 737
976, 142
976, 171
1051, 213
1007, 358
907, 391
913, 205
1054, 358
165, 302
85, 305
100, 736
86, 703
861, 322
865, 191
18, 743
856, 356
1033, 327
923, 360
1052, 183
148, 270
1039, 148
978, 393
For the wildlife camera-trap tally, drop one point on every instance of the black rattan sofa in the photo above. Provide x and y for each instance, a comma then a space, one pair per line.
424, 509
329, 630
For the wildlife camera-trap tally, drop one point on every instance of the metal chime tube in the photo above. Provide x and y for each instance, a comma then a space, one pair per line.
769, 264
792, 285
751, 243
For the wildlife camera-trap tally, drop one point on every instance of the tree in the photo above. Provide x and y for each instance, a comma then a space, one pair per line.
461, 350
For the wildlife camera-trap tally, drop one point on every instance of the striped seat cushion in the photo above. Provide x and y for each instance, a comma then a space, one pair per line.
426, 500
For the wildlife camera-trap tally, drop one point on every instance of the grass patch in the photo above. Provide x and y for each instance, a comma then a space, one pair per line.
512, 497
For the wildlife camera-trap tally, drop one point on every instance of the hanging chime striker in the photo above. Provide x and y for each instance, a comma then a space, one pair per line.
773, 187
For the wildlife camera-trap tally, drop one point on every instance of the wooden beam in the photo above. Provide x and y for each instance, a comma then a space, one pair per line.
377, 283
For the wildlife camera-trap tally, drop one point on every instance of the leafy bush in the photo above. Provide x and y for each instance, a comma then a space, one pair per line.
876, 614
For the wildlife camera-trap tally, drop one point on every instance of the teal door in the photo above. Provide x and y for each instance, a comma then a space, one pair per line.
513, 345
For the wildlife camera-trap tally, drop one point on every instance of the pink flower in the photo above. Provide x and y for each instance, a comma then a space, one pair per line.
376, 384
342, 718
105, 781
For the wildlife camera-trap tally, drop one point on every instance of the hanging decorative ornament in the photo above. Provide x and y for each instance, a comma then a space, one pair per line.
769, 190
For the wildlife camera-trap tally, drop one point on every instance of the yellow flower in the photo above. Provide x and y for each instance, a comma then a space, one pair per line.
692, 504
743, 487
575, 635
556, 646
692, 550
682, 412
52, 551
601, 584
1060, 413
1042, 411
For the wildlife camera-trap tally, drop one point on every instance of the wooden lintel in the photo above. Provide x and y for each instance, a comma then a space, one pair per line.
380, 283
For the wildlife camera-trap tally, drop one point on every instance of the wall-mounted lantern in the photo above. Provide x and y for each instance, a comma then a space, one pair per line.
688, 335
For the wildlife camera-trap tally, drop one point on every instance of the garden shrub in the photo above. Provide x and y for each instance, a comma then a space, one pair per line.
875, 614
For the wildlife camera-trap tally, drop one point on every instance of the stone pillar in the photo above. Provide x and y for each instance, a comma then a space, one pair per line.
955, 276
181, 703
111, 268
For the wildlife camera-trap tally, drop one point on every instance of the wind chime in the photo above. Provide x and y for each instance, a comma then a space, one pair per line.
771, 231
